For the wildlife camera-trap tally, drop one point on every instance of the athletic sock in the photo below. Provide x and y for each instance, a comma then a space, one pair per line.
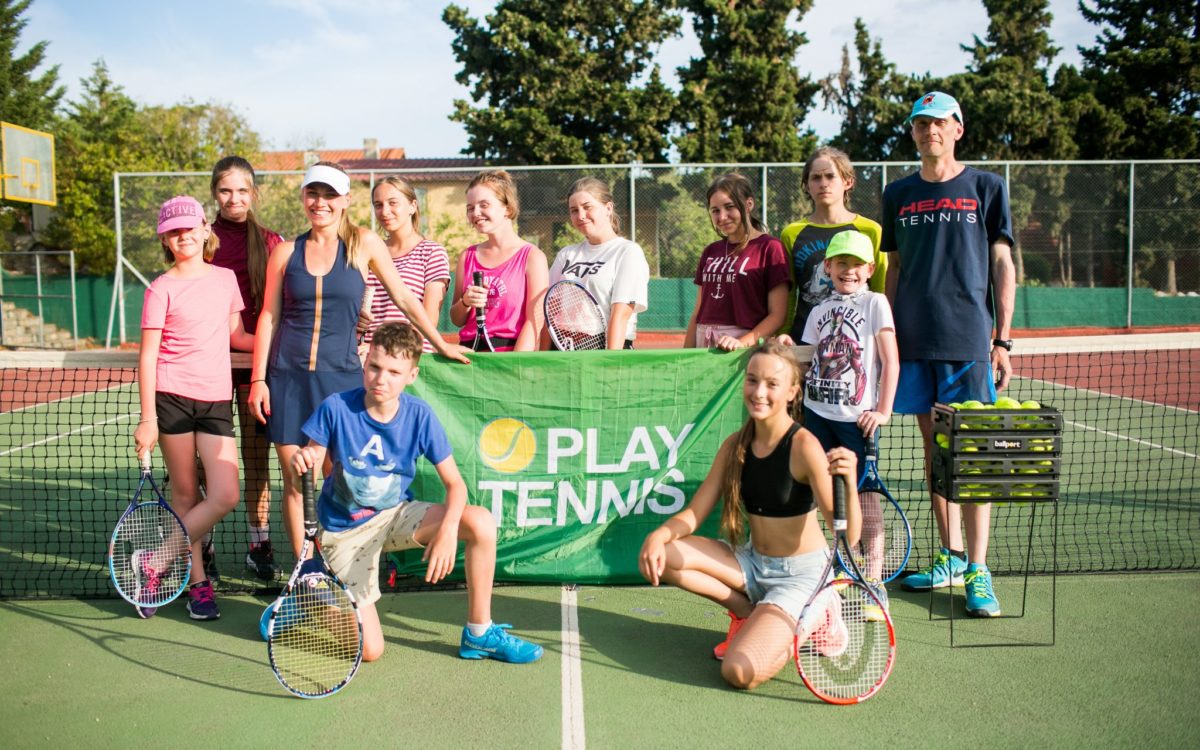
478, 630
259, 535
960, 554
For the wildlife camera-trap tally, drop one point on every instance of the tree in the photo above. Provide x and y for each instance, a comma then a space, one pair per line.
744, 99
104, 132
564, 81
1145, 69
26, 98
872, 102
1005, 89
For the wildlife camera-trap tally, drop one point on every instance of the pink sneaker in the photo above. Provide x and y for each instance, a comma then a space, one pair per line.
735, 624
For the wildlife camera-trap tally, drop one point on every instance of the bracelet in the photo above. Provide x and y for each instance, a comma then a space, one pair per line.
144, 421
258, 380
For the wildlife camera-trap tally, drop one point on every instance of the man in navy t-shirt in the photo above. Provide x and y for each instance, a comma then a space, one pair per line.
950, 278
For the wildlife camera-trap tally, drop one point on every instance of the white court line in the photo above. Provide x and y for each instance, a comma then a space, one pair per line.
52, 438
572, 675
1119, 436
1106, 394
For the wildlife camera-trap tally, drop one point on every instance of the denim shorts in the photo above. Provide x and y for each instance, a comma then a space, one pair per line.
786, 582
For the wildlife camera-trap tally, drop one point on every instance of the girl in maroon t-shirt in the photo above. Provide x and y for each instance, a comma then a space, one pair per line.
244, 247
743, 278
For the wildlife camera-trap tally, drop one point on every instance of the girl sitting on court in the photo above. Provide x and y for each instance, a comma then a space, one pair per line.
608, 265
514, 271
189, 320
773, 475
742, 278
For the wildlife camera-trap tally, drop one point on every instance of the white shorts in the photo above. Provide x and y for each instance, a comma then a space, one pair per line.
786, 582
353, 554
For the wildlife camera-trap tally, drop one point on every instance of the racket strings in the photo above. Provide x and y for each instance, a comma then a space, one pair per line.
884, 542
573, 316
150, 560
843, 655
315, 637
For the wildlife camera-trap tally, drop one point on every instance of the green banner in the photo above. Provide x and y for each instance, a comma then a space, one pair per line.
578, 456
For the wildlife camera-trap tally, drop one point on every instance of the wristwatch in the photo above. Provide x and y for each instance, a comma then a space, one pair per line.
1006, 343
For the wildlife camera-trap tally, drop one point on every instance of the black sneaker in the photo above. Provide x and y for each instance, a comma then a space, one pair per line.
210, 562
261, 561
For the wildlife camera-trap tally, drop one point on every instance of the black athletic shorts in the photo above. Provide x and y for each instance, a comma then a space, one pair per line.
178, 415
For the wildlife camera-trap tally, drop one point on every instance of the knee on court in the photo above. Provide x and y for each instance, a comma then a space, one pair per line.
739, 671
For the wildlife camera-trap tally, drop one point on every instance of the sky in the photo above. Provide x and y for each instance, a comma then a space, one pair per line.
329, 73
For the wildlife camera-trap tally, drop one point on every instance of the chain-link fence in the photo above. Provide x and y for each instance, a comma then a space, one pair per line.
1072, 219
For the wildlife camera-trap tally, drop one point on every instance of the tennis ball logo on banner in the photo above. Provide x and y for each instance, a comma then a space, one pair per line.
507, 445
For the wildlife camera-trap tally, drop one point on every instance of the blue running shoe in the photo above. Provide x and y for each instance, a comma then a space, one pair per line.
264, 622
498, 644
201, 603
981, 600
946, 570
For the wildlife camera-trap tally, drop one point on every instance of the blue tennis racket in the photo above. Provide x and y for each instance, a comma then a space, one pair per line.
886, 539
149, 555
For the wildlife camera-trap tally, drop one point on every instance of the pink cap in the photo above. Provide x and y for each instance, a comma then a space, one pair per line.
181, 212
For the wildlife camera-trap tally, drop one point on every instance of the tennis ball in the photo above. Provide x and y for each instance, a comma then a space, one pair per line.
942, 440
1031, 404
955, 405
1004, 402
507, 445
972, 404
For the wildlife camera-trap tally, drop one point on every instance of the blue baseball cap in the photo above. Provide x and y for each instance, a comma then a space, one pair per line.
935, 104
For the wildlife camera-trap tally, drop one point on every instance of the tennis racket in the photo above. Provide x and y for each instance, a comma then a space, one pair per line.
482, 342
843, 655
574, 318
886, 541
368, 298
149, 555
314, 637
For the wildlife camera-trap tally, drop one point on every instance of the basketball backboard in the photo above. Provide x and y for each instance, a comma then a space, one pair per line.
28, 165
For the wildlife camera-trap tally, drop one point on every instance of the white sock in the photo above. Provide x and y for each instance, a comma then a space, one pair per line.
258, 535
478, 630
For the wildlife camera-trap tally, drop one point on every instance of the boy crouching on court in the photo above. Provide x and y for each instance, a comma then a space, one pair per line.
374, 436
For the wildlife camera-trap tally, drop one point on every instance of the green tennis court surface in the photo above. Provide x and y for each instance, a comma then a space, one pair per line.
1131, 476
90, 674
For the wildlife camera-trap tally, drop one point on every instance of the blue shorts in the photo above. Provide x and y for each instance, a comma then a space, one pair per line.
786, 582
833, 434
924, 382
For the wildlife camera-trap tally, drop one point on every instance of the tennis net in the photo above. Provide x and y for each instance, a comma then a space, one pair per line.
1130, 485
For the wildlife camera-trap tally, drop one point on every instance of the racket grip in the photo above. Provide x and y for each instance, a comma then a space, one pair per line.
871, 447
839, 500
145, 461
477, 280
310, 503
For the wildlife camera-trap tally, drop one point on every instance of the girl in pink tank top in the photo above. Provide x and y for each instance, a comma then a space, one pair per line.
515, 273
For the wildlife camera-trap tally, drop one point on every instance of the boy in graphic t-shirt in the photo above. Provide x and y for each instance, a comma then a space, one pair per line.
374, 436
850, 387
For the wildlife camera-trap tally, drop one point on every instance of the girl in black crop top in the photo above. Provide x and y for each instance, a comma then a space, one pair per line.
772, 475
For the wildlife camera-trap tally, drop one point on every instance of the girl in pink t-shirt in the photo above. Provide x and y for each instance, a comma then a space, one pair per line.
190, 318
743, 279
515, 273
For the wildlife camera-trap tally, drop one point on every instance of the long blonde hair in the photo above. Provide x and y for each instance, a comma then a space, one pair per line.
407, 191
501, 183
348, 232
256, 244
733, 512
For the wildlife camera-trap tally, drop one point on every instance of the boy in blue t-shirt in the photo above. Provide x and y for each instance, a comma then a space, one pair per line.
374, 436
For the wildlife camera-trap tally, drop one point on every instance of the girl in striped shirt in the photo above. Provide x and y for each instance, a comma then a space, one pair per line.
423, 264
